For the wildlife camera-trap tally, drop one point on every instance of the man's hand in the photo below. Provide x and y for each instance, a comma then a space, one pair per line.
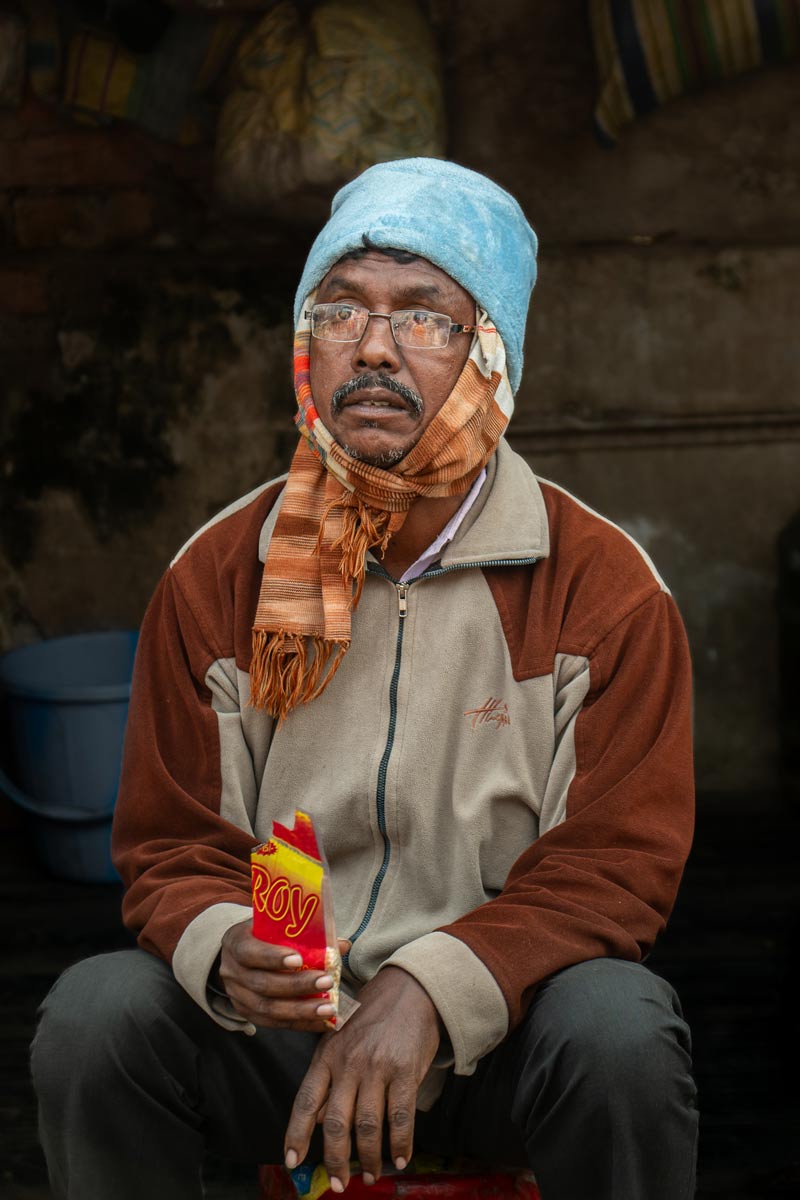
367, 1071
264, 983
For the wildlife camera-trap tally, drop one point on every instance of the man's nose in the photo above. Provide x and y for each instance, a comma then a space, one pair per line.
377, 349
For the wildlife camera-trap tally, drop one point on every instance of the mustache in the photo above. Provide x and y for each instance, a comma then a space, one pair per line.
369, 381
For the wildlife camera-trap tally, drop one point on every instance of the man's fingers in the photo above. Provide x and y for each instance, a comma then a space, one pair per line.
277, 999
249, 951
311, 1096
368, 1125
277, 984
275, 1013
400, 1108
336, 1126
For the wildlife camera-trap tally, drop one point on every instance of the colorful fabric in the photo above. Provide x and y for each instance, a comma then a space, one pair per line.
336, 508
426, 1174
459, 220
649, 51
162, 91
44, 48
321, 92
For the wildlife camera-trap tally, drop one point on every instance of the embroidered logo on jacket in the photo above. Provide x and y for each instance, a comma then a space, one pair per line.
494, 712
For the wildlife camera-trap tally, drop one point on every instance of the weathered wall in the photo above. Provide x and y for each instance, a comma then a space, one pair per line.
145, 345
662, 362
160, 394
661, 387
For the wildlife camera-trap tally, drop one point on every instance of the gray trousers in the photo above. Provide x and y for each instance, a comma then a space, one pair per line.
135, 1082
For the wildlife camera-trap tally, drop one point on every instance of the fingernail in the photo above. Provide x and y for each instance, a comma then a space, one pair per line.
292, 960
325, 1010
291, 1159
401, 1163
336, 1184
323, 983
368, 1179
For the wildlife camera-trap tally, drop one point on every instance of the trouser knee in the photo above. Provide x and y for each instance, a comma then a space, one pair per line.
100, 1014
605, 1101
611, 1031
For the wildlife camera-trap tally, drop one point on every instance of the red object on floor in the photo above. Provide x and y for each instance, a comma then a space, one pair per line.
276, 1184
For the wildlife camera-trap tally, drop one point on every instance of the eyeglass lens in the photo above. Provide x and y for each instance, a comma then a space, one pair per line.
411, 327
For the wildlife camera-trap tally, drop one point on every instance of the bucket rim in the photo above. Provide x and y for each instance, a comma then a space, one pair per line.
52, 815
49, 810
69, 693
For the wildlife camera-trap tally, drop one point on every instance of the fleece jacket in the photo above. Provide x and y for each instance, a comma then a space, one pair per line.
500, 771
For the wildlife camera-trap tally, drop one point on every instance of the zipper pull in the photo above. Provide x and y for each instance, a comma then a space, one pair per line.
402, 592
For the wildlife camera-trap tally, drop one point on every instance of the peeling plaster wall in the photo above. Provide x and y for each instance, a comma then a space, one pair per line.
145, 344
708, 516
165, 394
662, 358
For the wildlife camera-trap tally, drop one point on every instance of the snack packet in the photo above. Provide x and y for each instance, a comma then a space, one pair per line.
293, 907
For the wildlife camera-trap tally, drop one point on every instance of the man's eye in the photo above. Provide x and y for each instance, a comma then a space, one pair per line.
344, 312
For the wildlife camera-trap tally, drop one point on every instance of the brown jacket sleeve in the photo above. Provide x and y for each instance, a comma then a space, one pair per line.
177, 856
602, 882
184, 865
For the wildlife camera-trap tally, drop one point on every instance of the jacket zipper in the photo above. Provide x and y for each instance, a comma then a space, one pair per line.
434, 572
402, 605
402, 592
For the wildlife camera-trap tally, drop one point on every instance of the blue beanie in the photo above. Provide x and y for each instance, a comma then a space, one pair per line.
457, 219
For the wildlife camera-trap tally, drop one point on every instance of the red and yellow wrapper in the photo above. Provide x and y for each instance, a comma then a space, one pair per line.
292, 902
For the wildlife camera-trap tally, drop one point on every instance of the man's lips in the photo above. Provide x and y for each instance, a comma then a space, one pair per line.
377, 393
376, 399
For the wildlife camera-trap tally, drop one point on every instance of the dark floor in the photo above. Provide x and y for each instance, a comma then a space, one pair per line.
731, 950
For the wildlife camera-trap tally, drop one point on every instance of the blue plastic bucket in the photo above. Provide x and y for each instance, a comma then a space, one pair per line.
67, 704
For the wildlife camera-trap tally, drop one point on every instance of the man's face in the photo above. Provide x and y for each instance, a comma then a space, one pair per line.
373, 422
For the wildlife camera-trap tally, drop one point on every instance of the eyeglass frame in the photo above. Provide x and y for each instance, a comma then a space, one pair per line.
455, 326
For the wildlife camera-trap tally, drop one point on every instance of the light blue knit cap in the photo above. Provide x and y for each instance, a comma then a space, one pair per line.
457, 219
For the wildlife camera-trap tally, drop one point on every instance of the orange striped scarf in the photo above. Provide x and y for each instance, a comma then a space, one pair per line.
336, 508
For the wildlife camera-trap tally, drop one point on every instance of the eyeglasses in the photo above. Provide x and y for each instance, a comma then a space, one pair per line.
416, 328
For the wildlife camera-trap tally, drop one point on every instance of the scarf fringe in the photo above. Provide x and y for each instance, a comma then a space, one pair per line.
362, 529
284, 674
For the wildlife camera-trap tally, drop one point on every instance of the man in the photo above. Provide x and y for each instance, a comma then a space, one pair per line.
479, 689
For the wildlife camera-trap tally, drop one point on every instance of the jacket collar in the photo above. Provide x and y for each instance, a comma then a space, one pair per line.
507, 522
